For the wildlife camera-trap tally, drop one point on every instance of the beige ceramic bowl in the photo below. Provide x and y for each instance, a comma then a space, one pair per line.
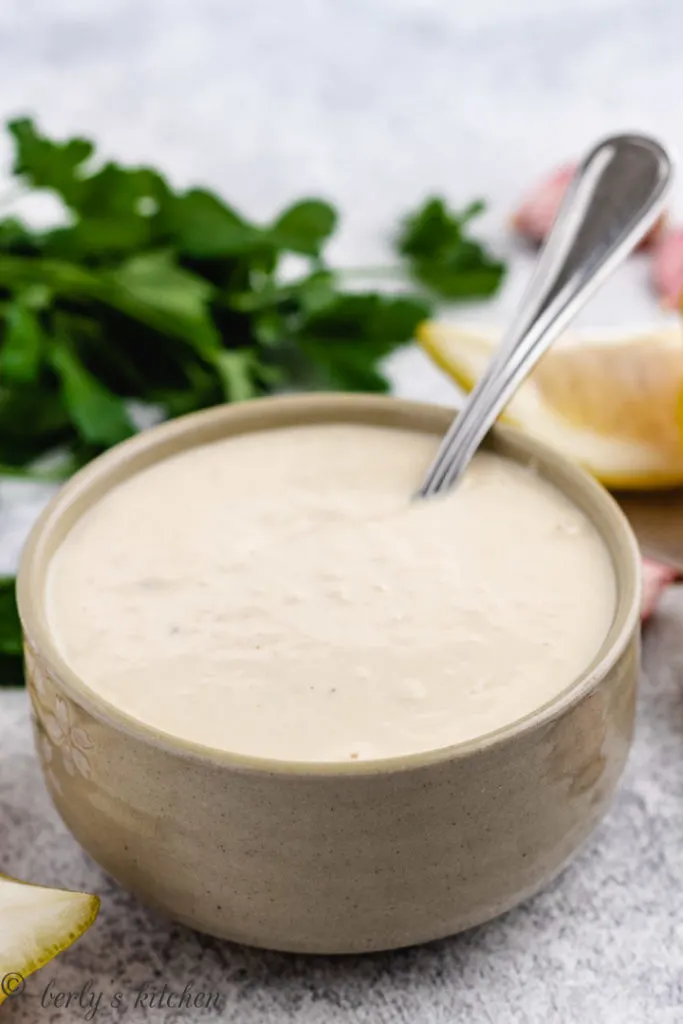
327, 858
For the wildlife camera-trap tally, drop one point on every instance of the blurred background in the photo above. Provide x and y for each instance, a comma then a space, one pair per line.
372, 103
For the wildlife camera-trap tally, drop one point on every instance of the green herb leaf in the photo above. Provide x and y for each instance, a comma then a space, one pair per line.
345, 340
11, 648
434, 229
22, 345
58, 276
46, 164
304, 227
16, 237
239, 374
99, 416
11, 670
199, 224
465, 277
385, 320
343, 367
316, 292
33, 421
442, 256
152, 287
10, 626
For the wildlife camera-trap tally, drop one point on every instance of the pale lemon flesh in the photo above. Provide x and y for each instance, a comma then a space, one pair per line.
611, 404
37, 923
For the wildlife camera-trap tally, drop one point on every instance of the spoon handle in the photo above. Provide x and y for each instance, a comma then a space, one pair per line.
615, 197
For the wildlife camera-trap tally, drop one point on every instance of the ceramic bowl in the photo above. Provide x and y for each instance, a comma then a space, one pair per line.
330, 858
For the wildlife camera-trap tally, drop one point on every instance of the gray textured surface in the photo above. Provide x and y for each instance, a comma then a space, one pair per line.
372, 102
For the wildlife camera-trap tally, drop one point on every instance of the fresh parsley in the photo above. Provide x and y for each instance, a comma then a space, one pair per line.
174, 299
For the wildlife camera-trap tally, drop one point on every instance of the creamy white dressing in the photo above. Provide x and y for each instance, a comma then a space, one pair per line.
278, 594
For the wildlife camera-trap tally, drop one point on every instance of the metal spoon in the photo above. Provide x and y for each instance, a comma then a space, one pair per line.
615, 197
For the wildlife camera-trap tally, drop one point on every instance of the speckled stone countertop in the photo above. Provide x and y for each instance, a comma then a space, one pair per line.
374, 103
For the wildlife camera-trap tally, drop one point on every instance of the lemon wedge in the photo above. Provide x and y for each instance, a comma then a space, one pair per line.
35, 925
614, 404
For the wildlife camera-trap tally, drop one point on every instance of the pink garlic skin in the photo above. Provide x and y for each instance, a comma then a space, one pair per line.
536, 214
667, 269
656, 579
534, 217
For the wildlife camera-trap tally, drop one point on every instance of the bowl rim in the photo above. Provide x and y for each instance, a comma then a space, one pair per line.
171, 437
